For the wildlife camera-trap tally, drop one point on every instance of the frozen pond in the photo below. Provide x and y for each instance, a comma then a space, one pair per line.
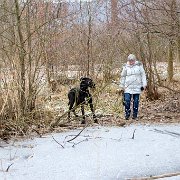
98, 153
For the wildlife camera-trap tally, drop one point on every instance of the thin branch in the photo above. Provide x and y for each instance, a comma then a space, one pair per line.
80, 142
9, 167
57, 142
78, 133
157, 177
59, 118
40, 135
133, 134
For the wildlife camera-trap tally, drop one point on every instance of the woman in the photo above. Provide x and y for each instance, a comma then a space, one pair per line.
132, 83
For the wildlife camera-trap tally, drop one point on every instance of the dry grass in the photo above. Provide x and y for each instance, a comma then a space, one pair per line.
107, 102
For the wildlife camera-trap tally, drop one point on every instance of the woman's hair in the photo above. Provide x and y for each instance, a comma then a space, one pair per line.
131, 57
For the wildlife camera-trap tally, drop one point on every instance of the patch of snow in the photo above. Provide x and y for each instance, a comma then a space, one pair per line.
98, 153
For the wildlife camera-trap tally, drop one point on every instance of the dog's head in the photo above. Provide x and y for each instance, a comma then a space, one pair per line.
87, 82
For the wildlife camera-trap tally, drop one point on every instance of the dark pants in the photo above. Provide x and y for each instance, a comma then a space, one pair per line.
127, 99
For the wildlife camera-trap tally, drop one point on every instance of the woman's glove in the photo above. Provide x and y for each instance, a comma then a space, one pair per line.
120, 91
143, 88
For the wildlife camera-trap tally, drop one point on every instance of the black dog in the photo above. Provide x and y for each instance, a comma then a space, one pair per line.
81, 95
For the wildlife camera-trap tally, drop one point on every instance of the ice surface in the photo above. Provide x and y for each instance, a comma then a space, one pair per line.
98, 153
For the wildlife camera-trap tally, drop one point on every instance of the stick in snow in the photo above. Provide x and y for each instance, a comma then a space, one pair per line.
133, 134
57, 142
78, 133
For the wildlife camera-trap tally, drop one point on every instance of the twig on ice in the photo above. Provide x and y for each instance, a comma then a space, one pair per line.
133, 134
58, 142
9, 167
157, 177
78, 133
80, 142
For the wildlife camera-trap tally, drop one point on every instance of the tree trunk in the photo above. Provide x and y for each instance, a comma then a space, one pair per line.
178, 49
152, 92
89, 47
21, 59
31, 91
176, 18
170, 61
114, 12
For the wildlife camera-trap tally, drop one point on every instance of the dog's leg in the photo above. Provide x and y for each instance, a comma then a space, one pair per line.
94, 116
92, 109
75, 113
70, 108
71, 97
82, 110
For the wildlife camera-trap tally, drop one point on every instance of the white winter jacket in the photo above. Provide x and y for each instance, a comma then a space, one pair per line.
133, 77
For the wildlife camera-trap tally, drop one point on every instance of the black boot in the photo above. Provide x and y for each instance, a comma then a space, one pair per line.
95, 121
83, 121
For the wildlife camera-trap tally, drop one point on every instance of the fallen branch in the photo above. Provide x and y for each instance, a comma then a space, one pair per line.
157, 177
167, 133
74, 108
77, 134
79, 142
9, 167
40, 135
57, 142
60, 117
133, 134
170, 89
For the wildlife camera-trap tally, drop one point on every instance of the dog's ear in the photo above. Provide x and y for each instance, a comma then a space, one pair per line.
81, 79
84, 79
